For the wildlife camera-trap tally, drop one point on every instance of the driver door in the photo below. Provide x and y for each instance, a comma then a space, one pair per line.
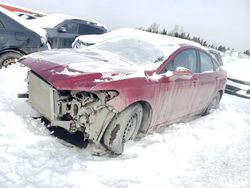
66, 34
178, 94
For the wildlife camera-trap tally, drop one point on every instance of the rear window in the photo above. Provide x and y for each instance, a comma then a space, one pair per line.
85, 29
206, 63
71, 27
132, 50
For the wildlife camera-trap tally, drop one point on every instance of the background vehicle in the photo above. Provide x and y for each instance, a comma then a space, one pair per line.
238, 81
128, 85
217, 55
87, 40
18, 38
63, 29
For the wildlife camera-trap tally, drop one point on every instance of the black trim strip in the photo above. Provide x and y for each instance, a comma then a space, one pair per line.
239, 81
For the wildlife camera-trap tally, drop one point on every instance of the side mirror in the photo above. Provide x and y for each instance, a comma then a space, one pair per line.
181, 73
61, 29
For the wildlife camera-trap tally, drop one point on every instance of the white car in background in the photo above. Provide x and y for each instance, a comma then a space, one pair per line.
217, 55
83, 41
87, 40
238, 81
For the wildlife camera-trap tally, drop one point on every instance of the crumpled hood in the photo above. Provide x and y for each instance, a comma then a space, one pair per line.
68, 68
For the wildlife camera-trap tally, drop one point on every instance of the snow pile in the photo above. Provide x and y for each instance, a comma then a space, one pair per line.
211, 151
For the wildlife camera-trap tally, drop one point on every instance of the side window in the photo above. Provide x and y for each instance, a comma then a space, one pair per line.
216, 65
86, 29
1, 25
186, 59
206, 63
70, 27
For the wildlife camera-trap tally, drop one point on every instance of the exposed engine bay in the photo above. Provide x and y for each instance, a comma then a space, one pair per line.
72, 110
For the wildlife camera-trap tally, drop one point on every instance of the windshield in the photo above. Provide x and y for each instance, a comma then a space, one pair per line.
133, 50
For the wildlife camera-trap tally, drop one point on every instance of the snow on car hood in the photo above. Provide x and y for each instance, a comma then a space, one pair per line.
238, 69
86, 65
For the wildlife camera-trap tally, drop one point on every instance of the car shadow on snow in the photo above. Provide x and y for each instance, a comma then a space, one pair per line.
75, 139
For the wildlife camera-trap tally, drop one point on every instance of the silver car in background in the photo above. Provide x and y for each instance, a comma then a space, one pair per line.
238, 81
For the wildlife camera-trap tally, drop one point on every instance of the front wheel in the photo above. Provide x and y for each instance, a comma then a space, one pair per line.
9, 58
122, 128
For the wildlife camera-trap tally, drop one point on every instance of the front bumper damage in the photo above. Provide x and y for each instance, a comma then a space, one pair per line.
72, 110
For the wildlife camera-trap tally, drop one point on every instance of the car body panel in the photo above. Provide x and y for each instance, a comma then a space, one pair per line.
167, 97
86, 89
15, 36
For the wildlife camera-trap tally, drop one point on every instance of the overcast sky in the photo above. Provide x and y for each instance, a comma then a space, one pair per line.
225, 22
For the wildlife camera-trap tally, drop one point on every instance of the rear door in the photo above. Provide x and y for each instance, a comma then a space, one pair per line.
65, 34
207, 80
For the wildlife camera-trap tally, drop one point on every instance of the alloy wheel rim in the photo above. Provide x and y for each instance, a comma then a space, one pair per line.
130, 128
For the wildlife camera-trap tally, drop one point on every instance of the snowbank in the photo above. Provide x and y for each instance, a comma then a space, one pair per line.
211, 151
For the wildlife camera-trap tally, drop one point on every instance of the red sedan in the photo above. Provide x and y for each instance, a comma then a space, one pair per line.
124, 86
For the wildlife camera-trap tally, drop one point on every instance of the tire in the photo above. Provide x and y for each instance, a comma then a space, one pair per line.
122, 128
214, 104
9, 58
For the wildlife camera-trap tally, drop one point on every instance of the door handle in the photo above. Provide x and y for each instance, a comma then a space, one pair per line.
195, 81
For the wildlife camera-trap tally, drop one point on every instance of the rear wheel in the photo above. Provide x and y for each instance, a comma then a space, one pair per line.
122, 128
9, 58
214, 104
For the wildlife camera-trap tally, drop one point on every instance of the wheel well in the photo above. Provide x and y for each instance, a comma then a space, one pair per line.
12, 50
221, 93
147, 116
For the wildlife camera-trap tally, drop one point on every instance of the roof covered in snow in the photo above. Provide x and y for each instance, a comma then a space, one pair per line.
52, 20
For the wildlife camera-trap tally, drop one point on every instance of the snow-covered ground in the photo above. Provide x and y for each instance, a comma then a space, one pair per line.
211, 151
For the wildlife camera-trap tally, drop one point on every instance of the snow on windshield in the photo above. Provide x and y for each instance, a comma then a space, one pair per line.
139, 47
133, 50
25, 23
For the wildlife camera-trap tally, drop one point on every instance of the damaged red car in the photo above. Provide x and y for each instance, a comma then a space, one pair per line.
123, 87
